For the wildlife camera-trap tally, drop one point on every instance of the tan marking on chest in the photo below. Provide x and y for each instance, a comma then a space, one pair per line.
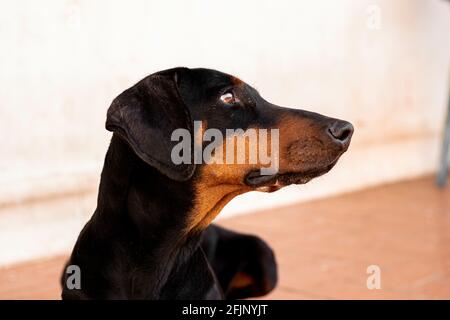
215, 186
241, 280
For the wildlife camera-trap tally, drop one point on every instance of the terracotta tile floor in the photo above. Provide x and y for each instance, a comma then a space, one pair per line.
324, 247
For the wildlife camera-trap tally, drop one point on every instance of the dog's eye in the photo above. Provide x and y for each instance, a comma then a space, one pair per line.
229, 98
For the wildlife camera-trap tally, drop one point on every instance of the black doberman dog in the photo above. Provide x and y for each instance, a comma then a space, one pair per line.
151, 235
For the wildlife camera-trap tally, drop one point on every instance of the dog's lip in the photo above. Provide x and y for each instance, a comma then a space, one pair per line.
278, 180
255, 178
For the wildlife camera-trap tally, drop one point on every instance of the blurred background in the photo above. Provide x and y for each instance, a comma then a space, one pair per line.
383, 65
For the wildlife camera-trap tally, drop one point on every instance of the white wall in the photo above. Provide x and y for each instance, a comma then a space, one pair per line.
62, 62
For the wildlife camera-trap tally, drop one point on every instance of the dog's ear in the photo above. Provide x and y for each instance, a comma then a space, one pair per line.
146, 114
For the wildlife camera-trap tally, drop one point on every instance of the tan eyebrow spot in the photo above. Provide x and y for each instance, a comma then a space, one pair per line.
236, 81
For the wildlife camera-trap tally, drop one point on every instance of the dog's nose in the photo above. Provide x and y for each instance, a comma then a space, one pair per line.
341, 132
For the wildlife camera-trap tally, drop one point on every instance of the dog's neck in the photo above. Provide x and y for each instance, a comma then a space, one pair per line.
144, 214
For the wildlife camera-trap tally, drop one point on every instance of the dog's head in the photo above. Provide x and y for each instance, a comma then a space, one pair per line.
220, 113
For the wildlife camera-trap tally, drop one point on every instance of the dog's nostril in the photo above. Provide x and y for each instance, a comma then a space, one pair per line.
345, 133
341, 131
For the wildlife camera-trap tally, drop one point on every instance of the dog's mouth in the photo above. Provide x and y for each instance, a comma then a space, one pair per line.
274, 182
